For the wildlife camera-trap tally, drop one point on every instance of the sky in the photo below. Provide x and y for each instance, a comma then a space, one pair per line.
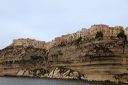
46, 19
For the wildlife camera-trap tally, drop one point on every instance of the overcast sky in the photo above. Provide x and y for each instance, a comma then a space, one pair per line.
46, 19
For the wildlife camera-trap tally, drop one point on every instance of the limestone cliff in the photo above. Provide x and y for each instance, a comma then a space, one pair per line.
73, 56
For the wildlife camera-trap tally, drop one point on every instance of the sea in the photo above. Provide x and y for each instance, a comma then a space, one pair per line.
37, 81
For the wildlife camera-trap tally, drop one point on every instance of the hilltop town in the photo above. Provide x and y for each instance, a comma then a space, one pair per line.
98, 53
85, 33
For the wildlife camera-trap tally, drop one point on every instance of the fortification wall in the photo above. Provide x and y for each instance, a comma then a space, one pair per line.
28, 42
84, 33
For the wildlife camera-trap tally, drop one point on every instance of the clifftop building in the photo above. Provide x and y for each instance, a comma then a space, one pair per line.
84, 33
107, 31
28, 42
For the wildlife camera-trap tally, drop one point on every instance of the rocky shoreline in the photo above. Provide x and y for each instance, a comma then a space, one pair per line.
60, 72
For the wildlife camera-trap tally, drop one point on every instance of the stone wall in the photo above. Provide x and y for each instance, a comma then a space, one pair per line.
28, 42
82, 33
103, 28
107, 31
70, 37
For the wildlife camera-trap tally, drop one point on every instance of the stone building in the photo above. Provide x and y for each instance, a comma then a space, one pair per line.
64, 38
28, 42
103, 28
85, 33
107, 31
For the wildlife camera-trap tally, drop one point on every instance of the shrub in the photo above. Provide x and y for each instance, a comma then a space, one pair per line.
99, 34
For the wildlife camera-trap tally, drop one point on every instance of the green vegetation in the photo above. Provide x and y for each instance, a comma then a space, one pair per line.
78, 41
63, 69
62, 44
99, 35
122, 35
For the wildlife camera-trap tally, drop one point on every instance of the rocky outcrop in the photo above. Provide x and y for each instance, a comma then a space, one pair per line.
121, 77
60, 72
18, 53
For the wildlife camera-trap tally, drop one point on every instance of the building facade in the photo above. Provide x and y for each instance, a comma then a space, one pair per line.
107, 31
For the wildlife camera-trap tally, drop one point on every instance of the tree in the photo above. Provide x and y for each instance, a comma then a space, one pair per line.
77, 41
122, 36
99, 35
